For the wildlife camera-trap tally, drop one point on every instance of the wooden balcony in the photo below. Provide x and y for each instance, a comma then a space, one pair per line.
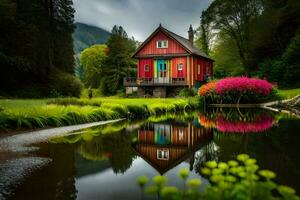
165, 81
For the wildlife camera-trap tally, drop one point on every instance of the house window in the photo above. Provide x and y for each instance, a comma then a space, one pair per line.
162, 154
198, 68
162, 44
146, 68
180, 67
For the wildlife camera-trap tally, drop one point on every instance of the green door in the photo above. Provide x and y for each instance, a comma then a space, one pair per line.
162, 71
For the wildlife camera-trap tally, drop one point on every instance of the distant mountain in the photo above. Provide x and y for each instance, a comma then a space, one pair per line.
86, 36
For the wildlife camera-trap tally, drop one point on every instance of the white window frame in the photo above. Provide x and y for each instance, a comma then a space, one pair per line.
179, 66
162, 154
162, 44
146, 68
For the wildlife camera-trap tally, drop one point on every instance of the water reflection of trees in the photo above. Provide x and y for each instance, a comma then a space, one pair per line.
111, 142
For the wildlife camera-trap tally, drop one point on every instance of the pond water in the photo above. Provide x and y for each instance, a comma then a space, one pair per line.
104, 162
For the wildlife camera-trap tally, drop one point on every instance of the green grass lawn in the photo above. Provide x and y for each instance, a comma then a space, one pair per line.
16, 104
38, 113
288, 93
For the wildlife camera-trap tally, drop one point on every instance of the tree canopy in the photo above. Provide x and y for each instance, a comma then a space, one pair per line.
35, 44
119, 63
105, 66
93, 61
254, 33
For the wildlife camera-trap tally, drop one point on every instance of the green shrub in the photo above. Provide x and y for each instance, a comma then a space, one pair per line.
96, 93
284, 69
238, 179
136, 111
74, 101
195, 103
186, 92
291, 62
271, 69
103, 88
64, 84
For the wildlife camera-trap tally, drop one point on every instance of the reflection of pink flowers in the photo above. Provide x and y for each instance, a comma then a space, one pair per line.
243, 84
261, 124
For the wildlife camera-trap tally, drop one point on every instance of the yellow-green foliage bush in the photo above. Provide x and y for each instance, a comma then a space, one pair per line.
239, 179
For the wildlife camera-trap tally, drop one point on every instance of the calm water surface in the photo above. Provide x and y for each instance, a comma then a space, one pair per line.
104, 162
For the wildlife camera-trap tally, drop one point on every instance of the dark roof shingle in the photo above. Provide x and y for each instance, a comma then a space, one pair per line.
181, 40
187, 44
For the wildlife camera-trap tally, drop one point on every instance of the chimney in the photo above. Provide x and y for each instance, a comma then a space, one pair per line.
191, 34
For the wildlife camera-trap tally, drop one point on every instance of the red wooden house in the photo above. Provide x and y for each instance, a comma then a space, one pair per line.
166, 61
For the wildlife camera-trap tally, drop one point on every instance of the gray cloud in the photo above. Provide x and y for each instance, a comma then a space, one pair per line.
140, 17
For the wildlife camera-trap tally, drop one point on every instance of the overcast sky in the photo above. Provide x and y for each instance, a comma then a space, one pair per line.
140, 17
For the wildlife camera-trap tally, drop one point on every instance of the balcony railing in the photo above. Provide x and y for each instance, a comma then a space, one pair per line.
160, 81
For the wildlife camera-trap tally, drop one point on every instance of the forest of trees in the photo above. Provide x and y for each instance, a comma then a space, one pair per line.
36, 48
37, 53
253, 38
105, 66
245, 37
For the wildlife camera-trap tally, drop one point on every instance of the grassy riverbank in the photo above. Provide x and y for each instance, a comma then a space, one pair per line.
40, 113
288, 93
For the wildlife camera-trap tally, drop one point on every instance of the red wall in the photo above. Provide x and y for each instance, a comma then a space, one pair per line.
141, 68
150, 47
146, 136
175, 72
194, 61
209, 71
199, 61
203, 70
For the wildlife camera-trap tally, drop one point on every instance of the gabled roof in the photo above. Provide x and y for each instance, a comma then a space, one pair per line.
185, 43
162, 166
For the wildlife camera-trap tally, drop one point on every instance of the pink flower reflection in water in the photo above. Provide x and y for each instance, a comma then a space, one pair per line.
262, 123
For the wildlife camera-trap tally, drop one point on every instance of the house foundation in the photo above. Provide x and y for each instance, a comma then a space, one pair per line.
140, 92
160, 92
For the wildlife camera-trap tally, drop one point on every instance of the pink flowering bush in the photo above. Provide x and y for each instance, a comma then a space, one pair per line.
239, 90
243, 85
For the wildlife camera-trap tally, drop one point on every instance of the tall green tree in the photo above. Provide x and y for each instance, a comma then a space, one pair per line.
119, 63
253, 32
205, 33
278, 23
226, 56
235, 18
93, 61
35, 44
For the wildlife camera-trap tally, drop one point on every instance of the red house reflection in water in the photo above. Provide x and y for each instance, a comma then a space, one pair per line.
164, 146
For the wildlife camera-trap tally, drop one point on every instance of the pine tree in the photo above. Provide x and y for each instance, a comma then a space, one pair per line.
119, 63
